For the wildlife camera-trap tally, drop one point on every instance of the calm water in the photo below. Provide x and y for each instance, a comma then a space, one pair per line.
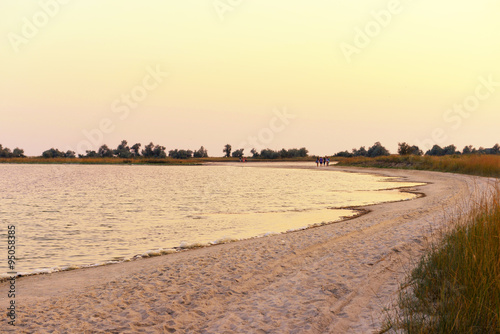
76, 215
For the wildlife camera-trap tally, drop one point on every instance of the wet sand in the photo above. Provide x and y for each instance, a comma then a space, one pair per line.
335, 278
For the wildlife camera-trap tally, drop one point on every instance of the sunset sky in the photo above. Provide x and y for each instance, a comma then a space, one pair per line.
329, 75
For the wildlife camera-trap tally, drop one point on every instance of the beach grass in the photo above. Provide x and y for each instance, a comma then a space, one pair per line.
455, 287
473, 164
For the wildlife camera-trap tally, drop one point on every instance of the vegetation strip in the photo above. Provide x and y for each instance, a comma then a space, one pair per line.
455, 288
471, 164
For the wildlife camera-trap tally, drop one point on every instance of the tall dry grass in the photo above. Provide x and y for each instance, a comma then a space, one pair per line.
474, 164
455, 288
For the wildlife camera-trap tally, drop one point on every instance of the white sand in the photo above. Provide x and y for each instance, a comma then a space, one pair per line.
331, 279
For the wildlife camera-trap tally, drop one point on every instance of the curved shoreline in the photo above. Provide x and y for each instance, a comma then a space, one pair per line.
333, 278
357, 211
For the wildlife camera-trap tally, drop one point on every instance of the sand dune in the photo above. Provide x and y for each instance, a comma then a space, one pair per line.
331, 279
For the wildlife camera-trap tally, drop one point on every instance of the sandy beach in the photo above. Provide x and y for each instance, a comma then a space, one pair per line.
335, 278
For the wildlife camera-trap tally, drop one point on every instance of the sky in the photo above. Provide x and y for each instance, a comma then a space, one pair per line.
328, 75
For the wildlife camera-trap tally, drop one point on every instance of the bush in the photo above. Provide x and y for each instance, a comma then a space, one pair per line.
377, 150
180, 154
283, 153
5, 152
238, 153
201, 153
406, 149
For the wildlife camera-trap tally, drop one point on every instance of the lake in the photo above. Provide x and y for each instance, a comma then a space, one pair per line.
69, 216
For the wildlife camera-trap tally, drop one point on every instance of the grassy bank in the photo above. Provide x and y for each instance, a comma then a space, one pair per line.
455, 288
481, 165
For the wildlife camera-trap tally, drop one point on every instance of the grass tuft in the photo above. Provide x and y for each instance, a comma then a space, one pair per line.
455, 288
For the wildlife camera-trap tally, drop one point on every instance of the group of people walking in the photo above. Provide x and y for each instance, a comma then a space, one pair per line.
322, 161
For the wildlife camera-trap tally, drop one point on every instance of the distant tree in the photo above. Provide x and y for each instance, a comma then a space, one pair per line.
48, 153
174, 154
362, 152
5, 152
377, 150
227, 150
269, 154
105, 152
468, 150
53, 153
285, 154
415, 150
255, 153
159, 152
135, 150
436, 150
303, 152
201, 153
481, 150
293, 152
91, 154
70, 154
344, 154
18, 153
450, 150
406, 149
123, 151
180, 154
495, 149
148, 150
238, 153
153, 151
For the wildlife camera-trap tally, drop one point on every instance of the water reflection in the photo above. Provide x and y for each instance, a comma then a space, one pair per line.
80, 214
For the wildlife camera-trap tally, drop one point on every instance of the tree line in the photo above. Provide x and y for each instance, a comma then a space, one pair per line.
123, 150
266, 153
374, 151
151, 150
406, 149
6, 152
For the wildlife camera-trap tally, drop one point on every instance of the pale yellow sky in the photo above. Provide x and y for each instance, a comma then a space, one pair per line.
75, 74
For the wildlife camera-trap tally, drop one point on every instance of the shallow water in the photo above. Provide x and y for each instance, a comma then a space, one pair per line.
76, 215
